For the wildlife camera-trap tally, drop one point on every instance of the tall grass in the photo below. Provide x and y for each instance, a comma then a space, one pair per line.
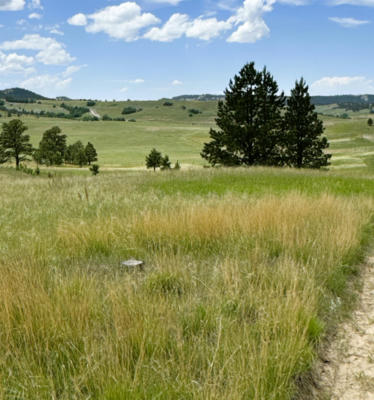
231, 304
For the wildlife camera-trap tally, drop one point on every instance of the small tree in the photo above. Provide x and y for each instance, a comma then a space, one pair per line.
76, 154
14, 142
177, 166
154, 159
91, 153
370, 122
52, 147
304, 144
94, 169
165, 163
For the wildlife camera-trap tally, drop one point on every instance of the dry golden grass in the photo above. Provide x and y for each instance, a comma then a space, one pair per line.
230, 305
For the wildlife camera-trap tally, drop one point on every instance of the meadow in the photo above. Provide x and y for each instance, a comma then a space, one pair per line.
246, 271
173, 131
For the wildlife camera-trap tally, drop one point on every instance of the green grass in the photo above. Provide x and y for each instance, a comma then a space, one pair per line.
243, 268
172, 131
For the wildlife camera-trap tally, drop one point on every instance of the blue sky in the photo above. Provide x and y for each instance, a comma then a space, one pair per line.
149, 49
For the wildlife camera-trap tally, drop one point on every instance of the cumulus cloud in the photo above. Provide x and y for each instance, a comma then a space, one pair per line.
177, 83
14, 63
124, 21
46, 83
78, 20
249, 21
335, 85
127, 20
348, 22
49, 50
12, 5
35, 16
172, 2
180, 24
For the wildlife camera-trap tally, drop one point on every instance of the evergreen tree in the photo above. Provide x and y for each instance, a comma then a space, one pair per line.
14, 142
3, 156
165, 163
76, 154
95, 169
91, 153
370, 122
177, 166
52, 147
304, 143
154, 159
250, 121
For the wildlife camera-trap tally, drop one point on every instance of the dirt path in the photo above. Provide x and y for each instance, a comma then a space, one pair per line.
349, 375
94, 113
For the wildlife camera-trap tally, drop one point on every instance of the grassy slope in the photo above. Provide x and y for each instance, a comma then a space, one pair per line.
242, 268
172, 131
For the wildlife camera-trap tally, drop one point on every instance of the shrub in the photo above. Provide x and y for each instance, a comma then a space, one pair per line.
129, 110
94, 169
168, 104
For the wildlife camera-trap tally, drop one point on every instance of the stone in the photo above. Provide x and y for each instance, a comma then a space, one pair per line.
133, 264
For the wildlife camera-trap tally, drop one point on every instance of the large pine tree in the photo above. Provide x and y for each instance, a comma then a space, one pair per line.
14, 143
304, 143
249, 121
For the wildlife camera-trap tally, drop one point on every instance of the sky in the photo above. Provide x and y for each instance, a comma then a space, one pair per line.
151, 49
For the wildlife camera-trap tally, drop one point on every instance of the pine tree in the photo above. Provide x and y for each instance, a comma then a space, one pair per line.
91, 153
52, 147
250, 121
304, 143
165, 163
14, 142
370, 122
154, 159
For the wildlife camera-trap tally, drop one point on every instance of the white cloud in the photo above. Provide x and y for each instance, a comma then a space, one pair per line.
124, 21
173, 29
336, 85
14, 63
177, 83
137, 81
180, 24
172, 2
249, 21
78, 20
35, 4
124, 90
35, 16
369, 3
349, 22
12, 5
50, 51
72, 69
46, 83
56, 31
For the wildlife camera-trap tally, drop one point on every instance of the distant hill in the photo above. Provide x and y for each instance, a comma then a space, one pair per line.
20, 95
343, 99
199, 97
63, 98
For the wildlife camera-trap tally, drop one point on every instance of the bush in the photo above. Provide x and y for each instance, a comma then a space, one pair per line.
94, 169
194, 111
129, 110
168, 104
91, 103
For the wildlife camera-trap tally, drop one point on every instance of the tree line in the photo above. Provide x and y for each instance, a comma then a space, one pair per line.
53, 149
260, 126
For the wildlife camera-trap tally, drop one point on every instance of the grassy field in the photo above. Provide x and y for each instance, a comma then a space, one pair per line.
172, 131
245, 270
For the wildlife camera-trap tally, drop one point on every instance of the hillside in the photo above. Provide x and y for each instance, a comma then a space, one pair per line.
20, 95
